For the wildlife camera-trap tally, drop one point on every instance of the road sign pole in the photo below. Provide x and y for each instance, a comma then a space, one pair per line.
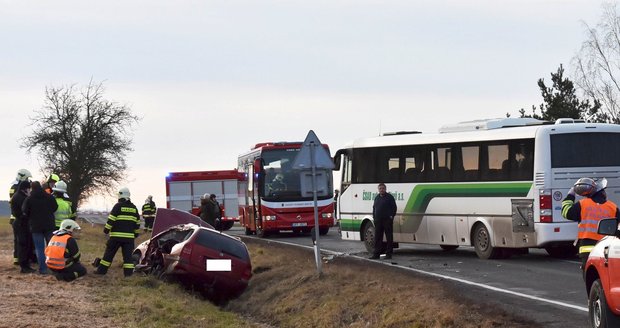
317, 248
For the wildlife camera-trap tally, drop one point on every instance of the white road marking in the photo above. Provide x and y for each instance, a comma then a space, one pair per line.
463, 281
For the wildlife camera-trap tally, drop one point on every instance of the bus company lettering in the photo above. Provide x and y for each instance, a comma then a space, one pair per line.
370, 195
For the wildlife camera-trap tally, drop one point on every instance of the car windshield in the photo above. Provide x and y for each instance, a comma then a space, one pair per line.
281, 182
226, 245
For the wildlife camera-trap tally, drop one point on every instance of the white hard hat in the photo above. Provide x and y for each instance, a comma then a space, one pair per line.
23, 175
585, 187
124, 193
69, 225
60, 186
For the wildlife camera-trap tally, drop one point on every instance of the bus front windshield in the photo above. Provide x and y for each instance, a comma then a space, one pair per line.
281, 182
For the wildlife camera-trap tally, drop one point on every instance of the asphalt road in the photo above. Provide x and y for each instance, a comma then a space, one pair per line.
534, 286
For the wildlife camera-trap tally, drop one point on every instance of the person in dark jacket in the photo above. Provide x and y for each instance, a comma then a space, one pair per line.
383, 212
123, 226
21, 227
22, 175
39, 207
210, 211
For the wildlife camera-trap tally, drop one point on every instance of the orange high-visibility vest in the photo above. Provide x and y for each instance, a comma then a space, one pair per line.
591, 213
55, 252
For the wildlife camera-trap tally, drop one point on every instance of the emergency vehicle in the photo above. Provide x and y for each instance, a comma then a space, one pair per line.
184, 189
602, 276
270, 196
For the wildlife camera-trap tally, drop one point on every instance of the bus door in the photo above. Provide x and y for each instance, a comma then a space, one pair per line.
345, 201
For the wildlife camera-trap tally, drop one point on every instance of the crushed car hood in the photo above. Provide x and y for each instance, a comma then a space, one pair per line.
166, 218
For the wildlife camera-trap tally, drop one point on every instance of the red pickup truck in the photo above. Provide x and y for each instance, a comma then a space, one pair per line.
602, 276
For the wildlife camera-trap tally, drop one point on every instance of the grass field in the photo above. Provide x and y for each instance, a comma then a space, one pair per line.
284, 291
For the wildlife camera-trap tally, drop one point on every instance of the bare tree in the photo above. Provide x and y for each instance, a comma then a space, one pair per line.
597, 65
83, 138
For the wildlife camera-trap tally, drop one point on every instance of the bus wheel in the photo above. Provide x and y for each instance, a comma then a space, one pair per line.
260, 232
369, 237
598, 310
448, 248
323, 230
482, 244
562, 252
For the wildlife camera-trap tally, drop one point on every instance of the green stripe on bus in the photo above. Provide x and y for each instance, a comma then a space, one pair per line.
350, 225
422, 194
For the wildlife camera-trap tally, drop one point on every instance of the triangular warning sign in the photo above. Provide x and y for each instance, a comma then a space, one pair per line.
322, 159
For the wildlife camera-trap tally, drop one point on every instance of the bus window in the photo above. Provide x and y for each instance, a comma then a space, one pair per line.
497, 156
346, 172
442, 165
471, 157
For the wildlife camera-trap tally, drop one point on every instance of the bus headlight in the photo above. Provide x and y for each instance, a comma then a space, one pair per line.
326, 215
269, 217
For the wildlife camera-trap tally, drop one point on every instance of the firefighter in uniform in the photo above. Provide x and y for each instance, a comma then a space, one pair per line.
64, 211
22, 175
148, 213
50, 183
62, 254
588, 212
123, 226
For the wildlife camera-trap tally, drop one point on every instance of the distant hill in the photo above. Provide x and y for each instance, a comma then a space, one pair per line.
5, 210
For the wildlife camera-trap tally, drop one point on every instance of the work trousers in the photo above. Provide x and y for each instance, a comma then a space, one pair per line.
114, 243
24, 241
148, 223
41, 239
70, 273
15, 245
384, 225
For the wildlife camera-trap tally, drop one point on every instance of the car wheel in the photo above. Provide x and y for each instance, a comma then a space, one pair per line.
135, 257
600, 315
323, 230
482, 243
448, 248
369, 237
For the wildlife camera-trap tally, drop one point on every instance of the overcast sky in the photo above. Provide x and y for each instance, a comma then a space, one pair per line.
212, 78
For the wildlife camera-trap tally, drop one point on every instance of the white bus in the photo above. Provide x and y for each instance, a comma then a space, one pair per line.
496, 185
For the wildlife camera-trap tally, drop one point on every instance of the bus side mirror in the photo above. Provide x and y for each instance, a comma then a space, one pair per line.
607, 227
338, 159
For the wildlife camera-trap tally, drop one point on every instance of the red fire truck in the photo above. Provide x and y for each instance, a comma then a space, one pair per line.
184, 189
270, 197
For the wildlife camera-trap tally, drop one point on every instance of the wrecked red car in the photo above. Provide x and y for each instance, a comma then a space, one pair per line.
188, 249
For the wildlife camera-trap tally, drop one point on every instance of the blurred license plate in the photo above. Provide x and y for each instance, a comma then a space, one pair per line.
300, 224
218, 265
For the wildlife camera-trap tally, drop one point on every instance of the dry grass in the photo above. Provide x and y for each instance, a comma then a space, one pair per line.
285, 291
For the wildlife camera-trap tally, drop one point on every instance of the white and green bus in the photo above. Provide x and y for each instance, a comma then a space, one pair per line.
496, 185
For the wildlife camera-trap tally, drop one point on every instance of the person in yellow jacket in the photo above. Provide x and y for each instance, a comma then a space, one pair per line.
148, 213
62, 254
588, 212
64, 211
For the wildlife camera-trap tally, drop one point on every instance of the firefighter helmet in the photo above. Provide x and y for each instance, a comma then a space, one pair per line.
53, 177
124, 193
585, 187
23, 175
60, 186
205, 196
69, 225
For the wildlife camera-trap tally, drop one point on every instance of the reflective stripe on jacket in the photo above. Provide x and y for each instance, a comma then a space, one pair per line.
63, 212
55, 252
591, 213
